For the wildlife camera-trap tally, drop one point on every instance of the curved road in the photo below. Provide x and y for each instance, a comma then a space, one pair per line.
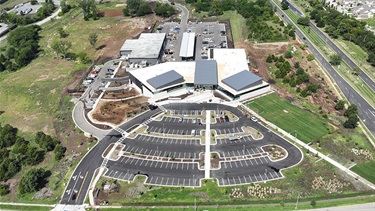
331, 44
365, 111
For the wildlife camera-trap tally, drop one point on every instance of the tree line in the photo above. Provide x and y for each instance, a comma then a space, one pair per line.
21, 19
22, 48
17, 152
338, 25
140, 8
257, 14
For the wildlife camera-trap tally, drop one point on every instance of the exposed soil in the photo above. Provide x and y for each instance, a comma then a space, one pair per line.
105, 153
117, 112
120, 94
258, 54
111, 13
215, 160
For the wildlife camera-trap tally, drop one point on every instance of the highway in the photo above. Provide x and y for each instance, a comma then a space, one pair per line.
365, 111
331, 44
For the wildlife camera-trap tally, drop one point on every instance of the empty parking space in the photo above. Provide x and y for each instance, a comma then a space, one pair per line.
181, 120
163, 147
244, 163
175, 129
248, 178
186, 112
229, 130
225, 141
157, 172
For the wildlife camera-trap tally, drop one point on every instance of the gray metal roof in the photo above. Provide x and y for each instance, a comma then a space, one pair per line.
166, 79
187, 44
205, 72
147, 46
242, 80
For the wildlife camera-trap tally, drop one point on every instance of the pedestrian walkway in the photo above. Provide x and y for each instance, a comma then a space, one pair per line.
207, 155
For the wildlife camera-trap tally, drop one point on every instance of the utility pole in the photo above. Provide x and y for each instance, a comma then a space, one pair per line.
297, 202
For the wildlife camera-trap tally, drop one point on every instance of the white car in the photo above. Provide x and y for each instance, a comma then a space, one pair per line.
254, 119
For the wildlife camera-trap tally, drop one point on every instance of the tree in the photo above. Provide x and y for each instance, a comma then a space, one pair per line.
33, 180
340, 105
62, 33
313, 203
352, 110
61, 47
335, 59
356, 70
144, 9
34, 156
310, 57
304, 21
45, 142
371, 58
93, 38
89, 8
133, 6
4, 190
284, 5
59, 152
352, 122
288, 54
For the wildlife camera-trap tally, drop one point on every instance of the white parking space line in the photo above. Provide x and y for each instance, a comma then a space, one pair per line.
261, 160
256, 161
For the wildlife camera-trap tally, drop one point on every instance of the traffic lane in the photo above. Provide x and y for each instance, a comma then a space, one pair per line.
137, 120
347, 60
152, 168
365, 110
85, 168
182, 150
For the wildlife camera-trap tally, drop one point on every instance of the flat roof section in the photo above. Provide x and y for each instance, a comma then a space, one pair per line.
205, 72
187, 45
166, 79
242, 80
147, 46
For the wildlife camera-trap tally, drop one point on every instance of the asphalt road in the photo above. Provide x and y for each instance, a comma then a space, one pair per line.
365, 111
92, 160
329, 42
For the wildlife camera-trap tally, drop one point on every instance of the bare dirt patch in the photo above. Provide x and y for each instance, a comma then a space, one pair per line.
121, 94
116, 112
111, 13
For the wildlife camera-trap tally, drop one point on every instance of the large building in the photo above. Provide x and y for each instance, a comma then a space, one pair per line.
144, 51
227, 72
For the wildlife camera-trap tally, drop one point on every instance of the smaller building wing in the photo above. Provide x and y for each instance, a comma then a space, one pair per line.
166, 79
187, 45
242, 80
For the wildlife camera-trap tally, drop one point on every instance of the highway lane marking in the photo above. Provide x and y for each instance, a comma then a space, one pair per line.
79, 192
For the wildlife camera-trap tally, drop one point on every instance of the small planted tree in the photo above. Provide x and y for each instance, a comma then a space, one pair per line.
93, 39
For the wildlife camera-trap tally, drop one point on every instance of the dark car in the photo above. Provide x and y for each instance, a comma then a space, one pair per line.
152, 107
226, 118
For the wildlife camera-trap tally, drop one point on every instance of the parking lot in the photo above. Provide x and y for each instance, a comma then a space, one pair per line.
186, 112
164, 147
226, 141
179, 173
236, 173
166, 130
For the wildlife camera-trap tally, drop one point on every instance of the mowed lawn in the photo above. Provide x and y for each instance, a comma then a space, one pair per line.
366, 170
306, 125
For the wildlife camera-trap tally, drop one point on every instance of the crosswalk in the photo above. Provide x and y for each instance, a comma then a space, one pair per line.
147, 121
162, 108
104, 163
119, 130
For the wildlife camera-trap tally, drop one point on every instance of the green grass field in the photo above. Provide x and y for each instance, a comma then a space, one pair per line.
237, 23
28, 208
306, 125
366, 170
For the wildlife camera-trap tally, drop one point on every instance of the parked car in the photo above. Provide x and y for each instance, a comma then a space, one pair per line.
180, 120
194, 121
254, 119
226, 118
193, 132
